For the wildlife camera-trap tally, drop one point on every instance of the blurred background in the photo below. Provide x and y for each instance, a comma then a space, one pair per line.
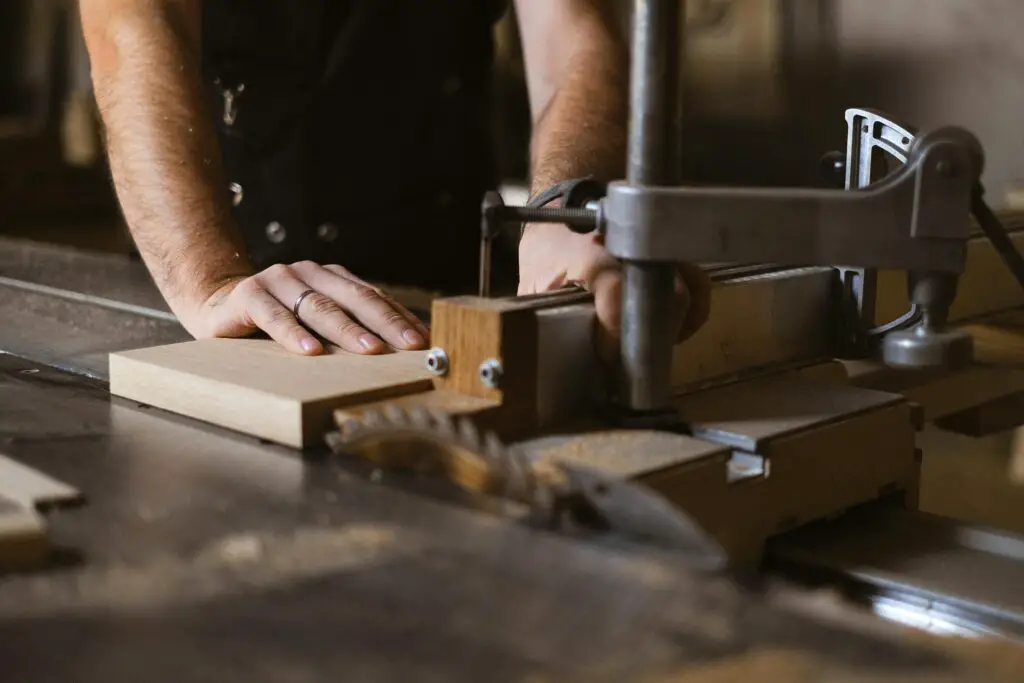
766, 85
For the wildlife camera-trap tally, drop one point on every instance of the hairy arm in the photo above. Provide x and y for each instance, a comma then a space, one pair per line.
577, 79
162, 147
577, 71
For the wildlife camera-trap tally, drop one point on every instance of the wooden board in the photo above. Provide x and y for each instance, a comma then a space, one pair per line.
256, 387
23, 541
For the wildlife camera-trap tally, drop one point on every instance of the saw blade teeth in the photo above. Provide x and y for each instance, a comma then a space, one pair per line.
518, 468
335, 440
444, 424
396, 415
469, 435
349, 428
494, 449
373, 419
420, 417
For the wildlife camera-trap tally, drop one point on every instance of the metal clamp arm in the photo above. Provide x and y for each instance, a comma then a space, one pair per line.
916, 219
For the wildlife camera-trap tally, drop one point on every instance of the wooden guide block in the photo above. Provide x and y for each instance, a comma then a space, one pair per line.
544, 346
472, 330
257, 387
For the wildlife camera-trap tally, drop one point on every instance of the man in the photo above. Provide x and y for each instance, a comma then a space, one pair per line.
270, 157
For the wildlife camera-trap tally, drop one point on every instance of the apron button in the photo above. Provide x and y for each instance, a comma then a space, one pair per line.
276, 232
444, 201
328, 232
237, 192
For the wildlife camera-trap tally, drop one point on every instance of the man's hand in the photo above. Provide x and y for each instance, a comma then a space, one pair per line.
552, 256
342, 309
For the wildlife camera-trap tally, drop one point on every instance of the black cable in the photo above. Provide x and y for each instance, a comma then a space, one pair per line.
997, 235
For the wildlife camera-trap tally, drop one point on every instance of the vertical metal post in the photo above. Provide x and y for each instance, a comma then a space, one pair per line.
649, 315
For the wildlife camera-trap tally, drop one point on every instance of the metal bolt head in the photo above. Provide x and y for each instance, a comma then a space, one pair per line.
237, 193
276, 232
490, 373
437, 362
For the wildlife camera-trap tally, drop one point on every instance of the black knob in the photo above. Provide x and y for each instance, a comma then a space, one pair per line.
833, 169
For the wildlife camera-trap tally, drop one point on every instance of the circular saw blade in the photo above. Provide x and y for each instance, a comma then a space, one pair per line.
432, 442
429, 442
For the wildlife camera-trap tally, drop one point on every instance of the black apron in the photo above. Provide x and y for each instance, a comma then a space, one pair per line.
357, 131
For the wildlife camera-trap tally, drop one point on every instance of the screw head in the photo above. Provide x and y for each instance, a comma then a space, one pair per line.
437, 362
276, 232
490, 373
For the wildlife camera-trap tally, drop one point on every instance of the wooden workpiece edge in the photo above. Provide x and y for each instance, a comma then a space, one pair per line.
208, 400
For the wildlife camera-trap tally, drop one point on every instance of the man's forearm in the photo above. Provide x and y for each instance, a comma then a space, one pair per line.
162, 147
582, 128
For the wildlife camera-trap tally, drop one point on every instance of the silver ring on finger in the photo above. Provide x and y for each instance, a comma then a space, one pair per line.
299, 300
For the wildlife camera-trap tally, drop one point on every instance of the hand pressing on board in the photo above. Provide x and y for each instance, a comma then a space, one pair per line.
291, 302
552, 256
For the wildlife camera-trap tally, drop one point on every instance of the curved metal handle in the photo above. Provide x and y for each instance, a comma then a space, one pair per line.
867, 131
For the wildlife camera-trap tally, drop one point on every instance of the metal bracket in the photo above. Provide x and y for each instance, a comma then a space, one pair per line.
868, 130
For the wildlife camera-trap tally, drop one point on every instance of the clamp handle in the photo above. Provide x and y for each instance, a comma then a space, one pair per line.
577, 195
867, 131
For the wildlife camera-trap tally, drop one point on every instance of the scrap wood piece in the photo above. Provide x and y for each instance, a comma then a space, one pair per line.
24, 491
23, 541
256, 387
31, 489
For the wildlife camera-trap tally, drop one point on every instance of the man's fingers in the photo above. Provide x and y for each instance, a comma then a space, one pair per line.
322, 314
365, 304
411, 317
606, 286
693, 296
271, 316
318, 312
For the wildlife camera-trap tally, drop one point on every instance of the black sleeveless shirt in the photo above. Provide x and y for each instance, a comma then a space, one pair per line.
356, 131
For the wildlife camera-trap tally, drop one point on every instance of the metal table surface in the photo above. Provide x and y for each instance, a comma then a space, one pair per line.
205, 555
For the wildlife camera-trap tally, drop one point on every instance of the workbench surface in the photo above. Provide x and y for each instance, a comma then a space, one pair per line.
204, 555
